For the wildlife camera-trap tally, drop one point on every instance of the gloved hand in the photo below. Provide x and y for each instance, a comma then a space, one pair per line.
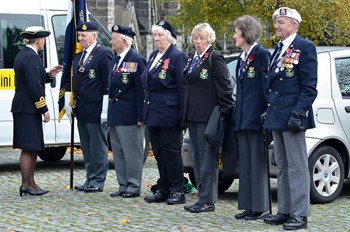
104, 109
294, 123
67, 106
263, 117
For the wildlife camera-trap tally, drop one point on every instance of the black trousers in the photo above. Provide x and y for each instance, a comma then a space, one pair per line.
166, 145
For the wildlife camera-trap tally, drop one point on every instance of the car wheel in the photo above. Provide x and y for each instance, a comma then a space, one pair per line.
326, 174
53, 154
225, 181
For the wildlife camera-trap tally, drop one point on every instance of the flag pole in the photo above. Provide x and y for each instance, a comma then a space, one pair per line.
71, 153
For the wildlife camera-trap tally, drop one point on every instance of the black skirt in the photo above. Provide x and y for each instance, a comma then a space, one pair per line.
28, 132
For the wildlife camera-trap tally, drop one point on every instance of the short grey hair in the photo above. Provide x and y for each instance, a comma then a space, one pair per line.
204, 29
250, 27
167, 33
127, 39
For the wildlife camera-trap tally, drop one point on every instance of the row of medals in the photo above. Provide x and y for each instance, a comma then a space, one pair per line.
286, 62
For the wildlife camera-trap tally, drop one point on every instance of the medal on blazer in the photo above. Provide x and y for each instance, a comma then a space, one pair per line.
92, 73
289, 72
251, 72
204, 74
162, 74
125, 79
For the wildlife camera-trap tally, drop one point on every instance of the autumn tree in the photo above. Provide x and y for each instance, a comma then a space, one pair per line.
325, 22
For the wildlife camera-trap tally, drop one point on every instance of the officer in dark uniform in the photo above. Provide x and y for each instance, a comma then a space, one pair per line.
90, 89
292, 82
29, 107
125, 112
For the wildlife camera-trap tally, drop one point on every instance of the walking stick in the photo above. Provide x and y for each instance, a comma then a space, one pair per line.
267, 143
71, 152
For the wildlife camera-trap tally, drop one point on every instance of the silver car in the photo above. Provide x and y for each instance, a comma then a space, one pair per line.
328, 144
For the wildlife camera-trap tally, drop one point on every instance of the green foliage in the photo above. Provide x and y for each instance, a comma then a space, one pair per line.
325, 22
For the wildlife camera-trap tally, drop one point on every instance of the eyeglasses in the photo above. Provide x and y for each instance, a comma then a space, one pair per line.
279, 22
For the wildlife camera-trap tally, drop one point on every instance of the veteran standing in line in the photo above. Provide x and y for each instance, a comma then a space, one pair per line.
163, 111
29, 107
292, 81
251, 73
125, 112
90, 87
205, 87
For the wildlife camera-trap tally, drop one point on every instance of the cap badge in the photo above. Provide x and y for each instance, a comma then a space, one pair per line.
116, 28
161, 23
84, 27
283, 11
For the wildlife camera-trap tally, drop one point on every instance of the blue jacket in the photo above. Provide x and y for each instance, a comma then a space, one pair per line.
294, 87
163, 104
93, 86
252, 90
125, 90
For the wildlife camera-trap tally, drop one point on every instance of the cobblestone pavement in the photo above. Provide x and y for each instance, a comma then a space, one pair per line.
65, 210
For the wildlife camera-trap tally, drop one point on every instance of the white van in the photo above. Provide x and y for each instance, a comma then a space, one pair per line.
15, 16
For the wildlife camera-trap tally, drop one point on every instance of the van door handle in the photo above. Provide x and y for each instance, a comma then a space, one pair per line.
347, 109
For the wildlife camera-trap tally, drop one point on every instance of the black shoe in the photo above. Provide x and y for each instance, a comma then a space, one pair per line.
176, 198
26, 191
80, 187
92, 189
277, 219
130, 195
157, 197
202, 208
295, 223
243, 214
256, 215
188, 207
38, 189
117, 194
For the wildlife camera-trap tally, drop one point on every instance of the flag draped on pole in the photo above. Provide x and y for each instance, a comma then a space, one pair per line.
77, 13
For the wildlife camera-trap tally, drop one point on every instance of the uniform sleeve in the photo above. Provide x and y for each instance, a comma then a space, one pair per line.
179, 68
105, 67
139, 89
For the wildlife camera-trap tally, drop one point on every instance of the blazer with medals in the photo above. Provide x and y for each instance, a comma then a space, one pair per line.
30, 83
251, 93
204, 90
292, 86
163, 104
126, 93
93, 85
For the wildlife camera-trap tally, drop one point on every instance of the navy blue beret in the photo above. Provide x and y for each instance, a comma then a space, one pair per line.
167, 26
87, 26
128, 31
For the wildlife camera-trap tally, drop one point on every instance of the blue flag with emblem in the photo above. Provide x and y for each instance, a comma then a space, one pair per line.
77, 13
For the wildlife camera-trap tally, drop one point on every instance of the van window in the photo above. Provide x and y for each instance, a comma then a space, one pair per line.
10, 40
59, 30
343, 76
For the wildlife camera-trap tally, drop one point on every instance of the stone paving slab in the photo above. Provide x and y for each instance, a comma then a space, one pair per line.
65, 210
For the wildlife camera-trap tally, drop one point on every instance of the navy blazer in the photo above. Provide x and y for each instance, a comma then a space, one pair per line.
294, 87
93, 85
125, 90
204, 90
252, 90
163, 104
30, 83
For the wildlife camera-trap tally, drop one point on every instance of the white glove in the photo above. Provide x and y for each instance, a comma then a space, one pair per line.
67, 106
104, 109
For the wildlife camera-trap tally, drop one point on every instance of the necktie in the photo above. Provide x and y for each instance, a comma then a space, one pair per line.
81, 61
117, 61
242, 68
193, 64
277, 55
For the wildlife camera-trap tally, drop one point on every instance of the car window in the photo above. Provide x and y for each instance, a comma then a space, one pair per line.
343, 75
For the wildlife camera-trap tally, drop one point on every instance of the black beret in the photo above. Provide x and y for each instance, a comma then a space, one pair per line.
167, 26
87, 26
34, 32
124, 31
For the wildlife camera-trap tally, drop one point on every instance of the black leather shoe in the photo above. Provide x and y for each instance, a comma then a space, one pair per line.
80, 187
243, 214
130, 195
295, 223
256, 215
188, 207
26, 191
92, 189
277, 219
202, 208
157, 197
176, 198
117, 194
